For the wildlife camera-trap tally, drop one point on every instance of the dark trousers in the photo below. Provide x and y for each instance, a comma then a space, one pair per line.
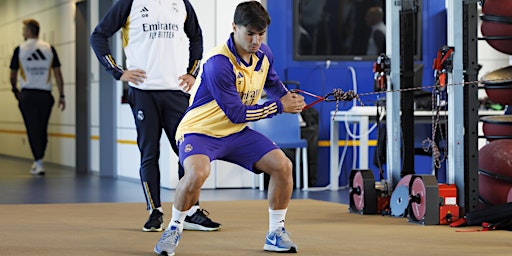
36, 107
154, 111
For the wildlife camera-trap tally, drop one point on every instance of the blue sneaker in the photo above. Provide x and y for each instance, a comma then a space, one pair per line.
168, 242
279, 241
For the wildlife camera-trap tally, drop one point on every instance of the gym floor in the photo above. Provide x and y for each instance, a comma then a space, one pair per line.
62, 185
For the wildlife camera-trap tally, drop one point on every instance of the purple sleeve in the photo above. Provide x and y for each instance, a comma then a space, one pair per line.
219, 78
273, 86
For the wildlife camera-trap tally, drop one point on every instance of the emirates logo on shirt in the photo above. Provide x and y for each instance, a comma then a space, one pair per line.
160, 30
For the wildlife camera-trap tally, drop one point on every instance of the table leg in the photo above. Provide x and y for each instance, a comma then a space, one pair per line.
334, 158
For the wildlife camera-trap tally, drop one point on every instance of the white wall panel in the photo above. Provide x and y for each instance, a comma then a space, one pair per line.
9, 106
55, 151
125, 116
168, 163
232, 176
14, 144
127, 155
205, 10
225, 11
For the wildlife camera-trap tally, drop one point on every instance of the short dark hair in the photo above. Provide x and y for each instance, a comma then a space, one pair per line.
32, 25
251, 14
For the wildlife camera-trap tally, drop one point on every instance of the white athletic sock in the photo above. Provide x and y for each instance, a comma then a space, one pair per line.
276, 219
193, 210
159, 208
177, 219
39, 163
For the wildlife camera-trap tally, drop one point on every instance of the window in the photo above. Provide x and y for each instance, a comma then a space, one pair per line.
343, 29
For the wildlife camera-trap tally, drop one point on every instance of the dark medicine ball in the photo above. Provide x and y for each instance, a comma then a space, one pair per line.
495, 175
498, 85
497, 22
497, 7
497, 127
494, 31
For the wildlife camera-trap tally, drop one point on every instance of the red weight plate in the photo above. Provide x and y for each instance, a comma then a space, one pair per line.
405, 181
418, 189
358, 182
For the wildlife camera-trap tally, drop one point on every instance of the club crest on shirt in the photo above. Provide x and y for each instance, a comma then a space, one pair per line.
140, 115
188, 148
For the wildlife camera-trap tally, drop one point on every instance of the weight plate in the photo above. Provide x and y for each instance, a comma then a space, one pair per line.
358, 185
405, 181
418, 190
399, 200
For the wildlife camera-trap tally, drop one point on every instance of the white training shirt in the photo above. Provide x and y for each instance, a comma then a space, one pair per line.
35, 59
155, 39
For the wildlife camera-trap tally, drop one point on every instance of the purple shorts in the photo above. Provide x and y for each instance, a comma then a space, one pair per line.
244, 148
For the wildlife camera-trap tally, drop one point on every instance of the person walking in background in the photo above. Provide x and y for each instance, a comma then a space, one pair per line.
35, 60
224, 100
377, 41
155, 34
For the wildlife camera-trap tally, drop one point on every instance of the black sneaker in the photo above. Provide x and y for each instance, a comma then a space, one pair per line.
155, 222
200, 221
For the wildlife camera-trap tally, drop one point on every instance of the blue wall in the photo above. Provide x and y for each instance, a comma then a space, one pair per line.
317, 78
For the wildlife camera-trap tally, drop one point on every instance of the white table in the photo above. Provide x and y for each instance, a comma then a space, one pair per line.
361, 116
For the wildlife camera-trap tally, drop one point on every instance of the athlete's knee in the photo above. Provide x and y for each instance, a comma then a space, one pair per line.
197, 170
282, 167
287, 166
194, 180
199, 175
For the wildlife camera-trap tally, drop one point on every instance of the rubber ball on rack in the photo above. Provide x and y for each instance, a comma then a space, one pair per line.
498, 29
495, 84
495, 171
497, 7
497, 127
